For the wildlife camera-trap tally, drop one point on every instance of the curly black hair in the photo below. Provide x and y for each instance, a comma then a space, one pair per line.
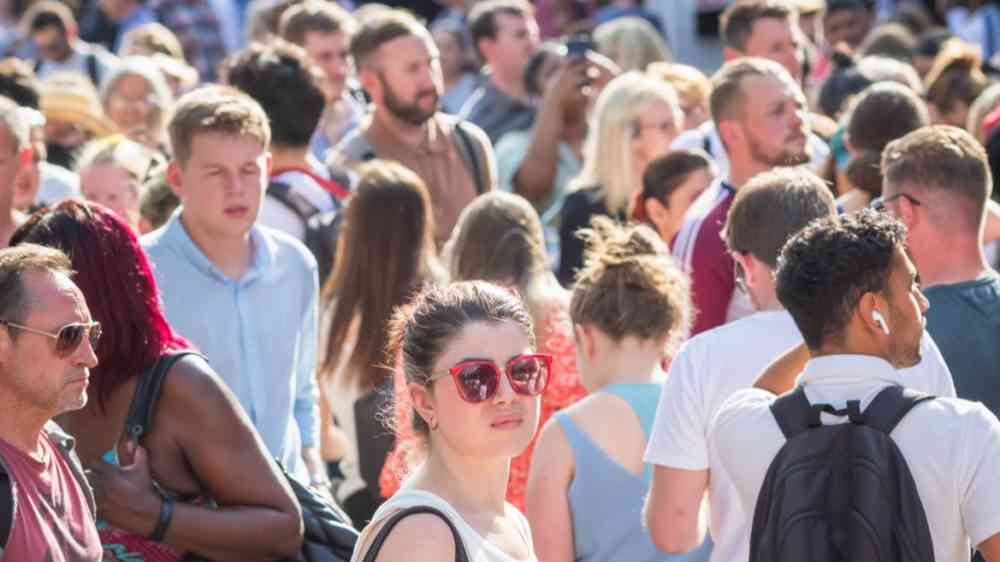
825, 269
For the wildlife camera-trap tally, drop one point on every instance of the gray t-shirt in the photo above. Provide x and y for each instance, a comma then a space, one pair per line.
964, 319
496, 113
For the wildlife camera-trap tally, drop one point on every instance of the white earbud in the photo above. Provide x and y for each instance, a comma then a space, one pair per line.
880, 320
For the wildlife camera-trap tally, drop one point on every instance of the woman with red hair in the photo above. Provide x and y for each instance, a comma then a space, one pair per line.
198, 437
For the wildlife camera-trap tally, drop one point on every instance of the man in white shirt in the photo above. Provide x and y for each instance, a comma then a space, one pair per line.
853, 292
766, 212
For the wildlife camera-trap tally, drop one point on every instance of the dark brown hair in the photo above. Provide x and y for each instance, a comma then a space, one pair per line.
498, 238
629, 285
955, 76
664, 175
771, 208
483, 17
736, 23
882, 113
314, 16
420, 331
380, 28
15, 262
385, 252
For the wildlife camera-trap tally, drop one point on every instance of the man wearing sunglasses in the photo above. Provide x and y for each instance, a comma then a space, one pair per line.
937, 182
47, 341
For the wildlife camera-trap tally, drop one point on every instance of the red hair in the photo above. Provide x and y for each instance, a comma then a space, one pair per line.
113, 272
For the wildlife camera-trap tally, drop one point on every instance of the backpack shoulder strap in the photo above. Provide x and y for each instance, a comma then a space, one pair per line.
92, 69
356, 147
470, 154
794, 413
291, 200
383, 533
147, 393
890, 406
7, 506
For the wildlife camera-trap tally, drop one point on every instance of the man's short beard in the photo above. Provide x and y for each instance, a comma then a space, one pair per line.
412, 114
782, 158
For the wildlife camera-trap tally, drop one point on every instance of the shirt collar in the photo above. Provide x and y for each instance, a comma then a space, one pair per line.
846, 368
264, 250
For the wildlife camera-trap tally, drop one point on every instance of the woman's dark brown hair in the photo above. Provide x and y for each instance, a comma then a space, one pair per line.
664, 175
384, 253
882, 113
955, 76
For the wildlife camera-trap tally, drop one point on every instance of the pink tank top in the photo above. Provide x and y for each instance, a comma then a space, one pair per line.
53, 522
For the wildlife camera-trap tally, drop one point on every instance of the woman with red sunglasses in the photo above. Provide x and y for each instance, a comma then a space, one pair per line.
588, 480
471, 394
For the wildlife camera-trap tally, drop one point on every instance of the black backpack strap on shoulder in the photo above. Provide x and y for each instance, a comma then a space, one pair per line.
295, 203
92, 69
147, 393
470, 155
795, 414
890, 406
7, 501
383, 533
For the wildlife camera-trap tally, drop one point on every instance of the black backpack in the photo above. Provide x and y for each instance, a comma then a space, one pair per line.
322, 227
840, 493
329, 536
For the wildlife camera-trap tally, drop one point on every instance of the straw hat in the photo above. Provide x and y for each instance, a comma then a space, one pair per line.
70, 97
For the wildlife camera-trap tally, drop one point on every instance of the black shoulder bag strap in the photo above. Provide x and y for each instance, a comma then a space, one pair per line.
890, 406
469, 152
794, 413
6, 507
383, 533
147, 393
92, 69
294, 202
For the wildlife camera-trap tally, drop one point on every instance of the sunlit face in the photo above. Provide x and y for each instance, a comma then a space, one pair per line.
657, 128
775, 121
221, 186
39, 378
131, 104
332, 53
516, 39
52, 42
907, 306
500, 427
779, 40
112, 186
409, 79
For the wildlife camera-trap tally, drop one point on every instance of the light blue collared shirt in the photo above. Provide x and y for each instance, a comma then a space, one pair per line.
258, 332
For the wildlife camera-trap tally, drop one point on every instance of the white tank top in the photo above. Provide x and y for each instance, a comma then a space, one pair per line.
478, 548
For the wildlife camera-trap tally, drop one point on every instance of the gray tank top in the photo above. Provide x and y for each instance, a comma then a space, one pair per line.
606, 500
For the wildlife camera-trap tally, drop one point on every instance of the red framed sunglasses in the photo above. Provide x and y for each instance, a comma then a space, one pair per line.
477, 380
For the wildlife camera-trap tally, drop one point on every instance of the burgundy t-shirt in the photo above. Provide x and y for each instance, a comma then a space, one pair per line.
702, 252
53, 522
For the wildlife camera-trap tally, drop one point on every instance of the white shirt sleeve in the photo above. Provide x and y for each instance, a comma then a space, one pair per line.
979, 486
680, 429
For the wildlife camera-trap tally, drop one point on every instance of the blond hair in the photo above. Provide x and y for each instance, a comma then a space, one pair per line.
608, 148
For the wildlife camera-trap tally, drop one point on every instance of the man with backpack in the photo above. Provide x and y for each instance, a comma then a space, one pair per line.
849, 465
398, 68
54, 32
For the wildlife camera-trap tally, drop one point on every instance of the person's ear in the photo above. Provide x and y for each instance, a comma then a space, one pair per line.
729, 53
369, 81
423, 402
585, 341
868, 305
24, 158
731, 132
175, 178
655, 210
907, 213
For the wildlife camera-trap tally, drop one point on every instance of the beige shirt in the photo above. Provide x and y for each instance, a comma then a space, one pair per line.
437, 162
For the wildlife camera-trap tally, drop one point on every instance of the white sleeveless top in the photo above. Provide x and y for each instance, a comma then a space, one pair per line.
478, 548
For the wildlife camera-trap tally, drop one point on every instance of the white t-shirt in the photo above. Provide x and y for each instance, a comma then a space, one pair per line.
708, 370
277, 215
951, 446
706, 134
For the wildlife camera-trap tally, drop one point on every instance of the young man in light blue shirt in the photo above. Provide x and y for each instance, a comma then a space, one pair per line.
244, 294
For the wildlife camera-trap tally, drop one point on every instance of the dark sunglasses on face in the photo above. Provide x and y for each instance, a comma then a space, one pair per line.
879, 203
68, 338
477, 380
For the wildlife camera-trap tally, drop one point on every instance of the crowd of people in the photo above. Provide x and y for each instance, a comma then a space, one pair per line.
499, 281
